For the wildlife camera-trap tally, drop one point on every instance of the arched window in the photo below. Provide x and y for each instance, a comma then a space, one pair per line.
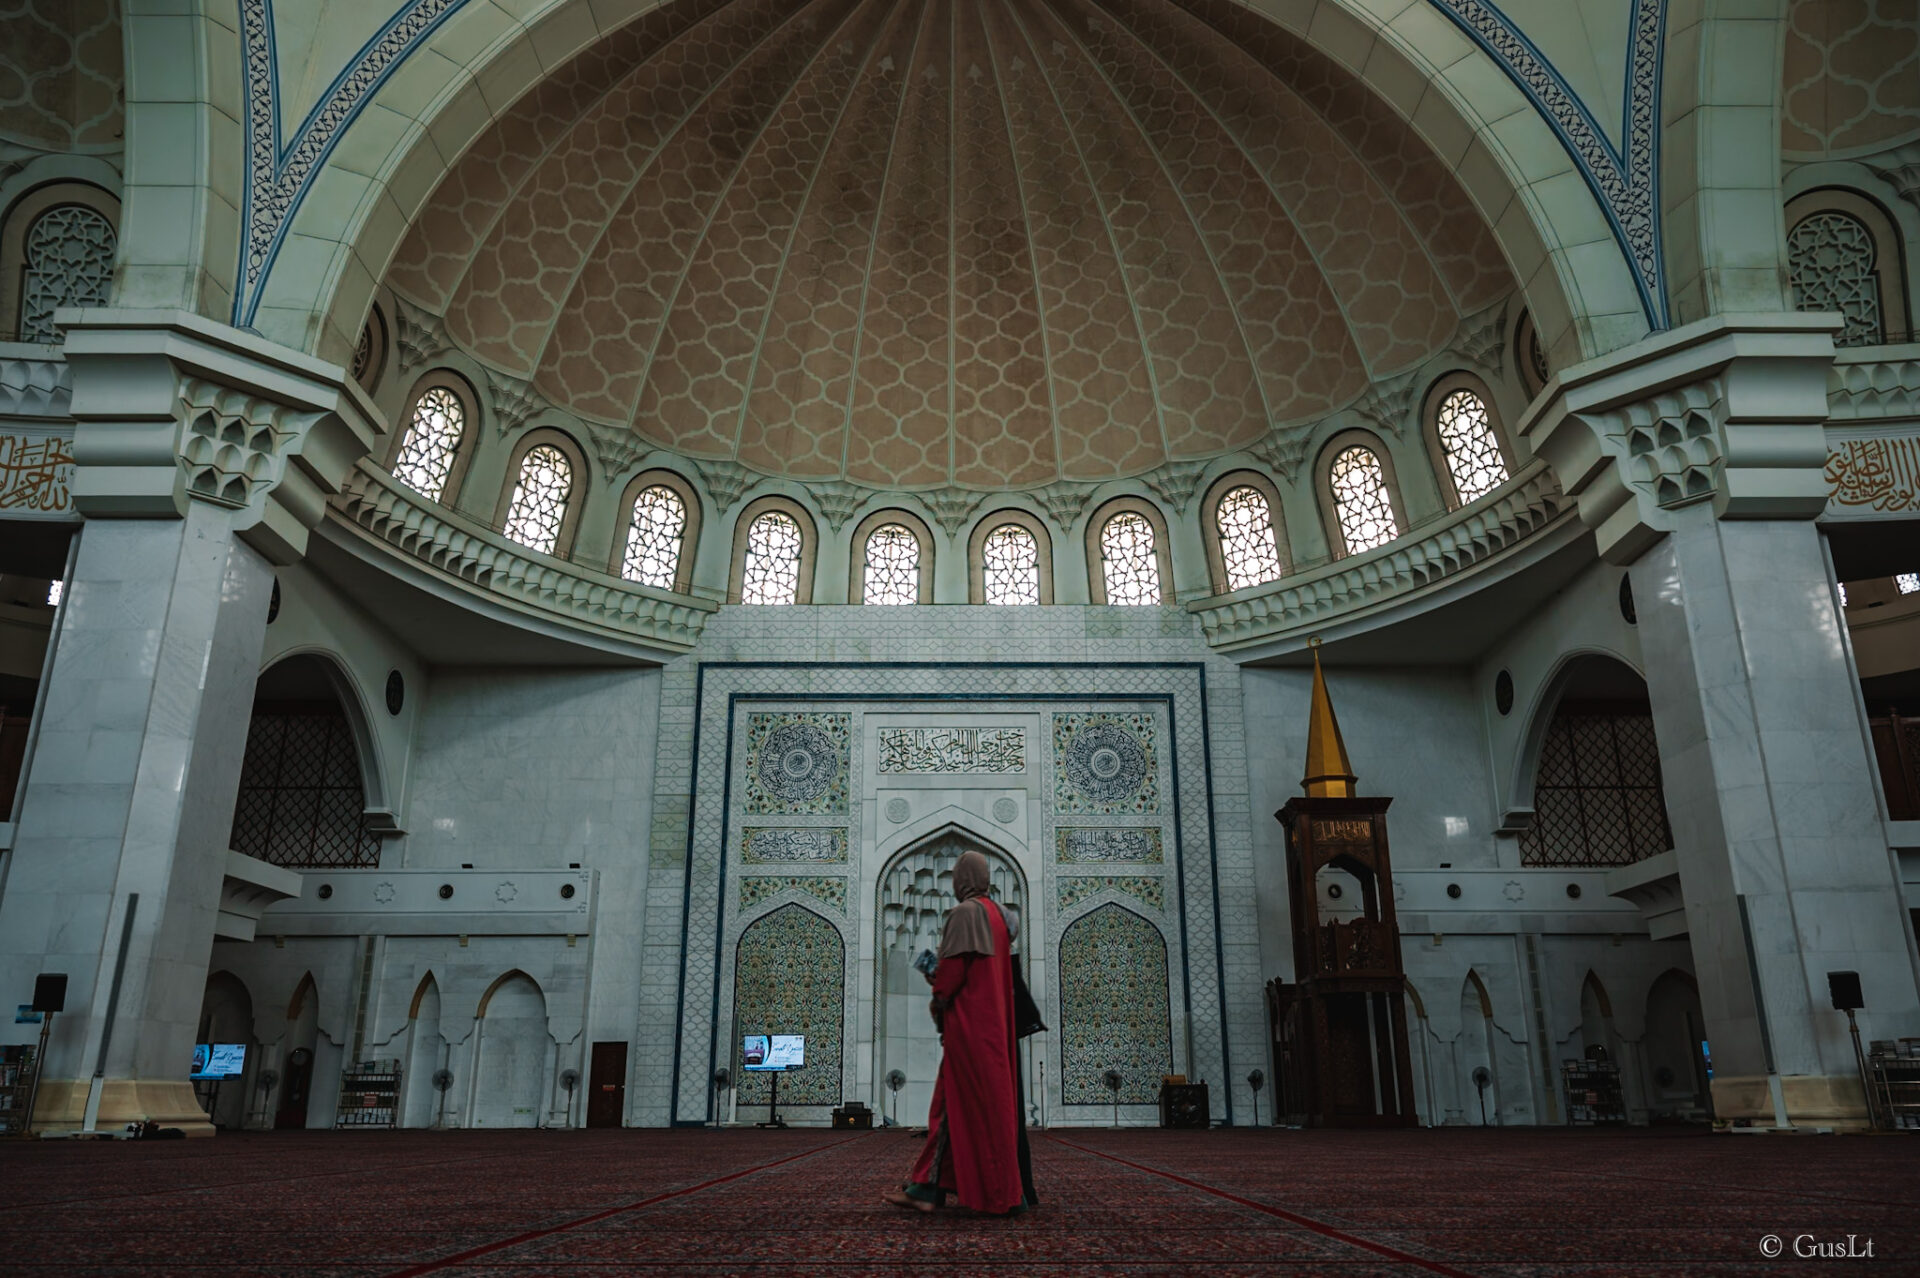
655, 537
1468, 449
892, 559
1597, 798
1359, 486
1246, 546
1127, 559
1010, 560
1840, 257
302, 801
435, 430
538, 508
771, 574
773, 549
892, 573
68, 261
1010, 566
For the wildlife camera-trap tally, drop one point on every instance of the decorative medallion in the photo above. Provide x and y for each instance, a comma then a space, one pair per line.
786, 847
1104, 763
898, 810
1104, 846
383, 893
797, 762
505, 892
1005, 810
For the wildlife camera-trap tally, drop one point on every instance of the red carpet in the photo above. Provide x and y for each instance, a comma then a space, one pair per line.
1131, 1202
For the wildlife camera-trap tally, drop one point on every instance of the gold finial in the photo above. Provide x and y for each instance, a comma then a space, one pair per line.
1329, 775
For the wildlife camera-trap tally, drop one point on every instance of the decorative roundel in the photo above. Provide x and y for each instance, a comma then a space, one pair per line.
1503, 692
396, 692
797, 762
1106, 763
1005, 810
898, 810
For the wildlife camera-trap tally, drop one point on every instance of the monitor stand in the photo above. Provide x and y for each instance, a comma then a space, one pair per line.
773, 1100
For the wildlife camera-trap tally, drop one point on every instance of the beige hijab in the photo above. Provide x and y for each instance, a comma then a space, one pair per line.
968, 931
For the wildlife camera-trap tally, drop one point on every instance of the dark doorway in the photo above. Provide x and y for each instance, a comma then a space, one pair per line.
293, 1091
607, 1088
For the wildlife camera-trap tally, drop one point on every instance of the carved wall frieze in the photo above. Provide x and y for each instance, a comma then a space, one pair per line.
838, 500
1064, 501
1285, 450
951, 507
514, 401
35, 387
481, 560
36, 474
1875, 476
727, 481
1175, 483
418, 335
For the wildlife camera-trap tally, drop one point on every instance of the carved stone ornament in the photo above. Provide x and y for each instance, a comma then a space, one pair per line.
418, 335
171, 408
727, 481
1727, 410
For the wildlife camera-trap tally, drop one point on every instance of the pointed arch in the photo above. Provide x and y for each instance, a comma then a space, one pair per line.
305, 990
1478, 988
1592, 985
420, 991
480, 1012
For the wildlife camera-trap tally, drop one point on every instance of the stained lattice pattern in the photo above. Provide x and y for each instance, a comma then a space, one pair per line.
893, 566
433, 436
1248, 547
654, 538
301, 802
1127, 560
1597, 799
771, 574
363, 354
69, 262
1473, 454
1830, 259
1360, 500
1010, 566
1907, 582
540, 499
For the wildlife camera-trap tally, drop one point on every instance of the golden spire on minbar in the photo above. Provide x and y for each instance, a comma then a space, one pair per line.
1329, 775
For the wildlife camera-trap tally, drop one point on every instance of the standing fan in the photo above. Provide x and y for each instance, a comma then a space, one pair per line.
569, 1079
442, 1080
1256, 1080
1481, 1078
1112, 1079
722, 1081
895, 1081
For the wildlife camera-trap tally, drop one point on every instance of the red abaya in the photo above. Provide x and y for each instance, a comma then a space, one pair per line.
973, 1125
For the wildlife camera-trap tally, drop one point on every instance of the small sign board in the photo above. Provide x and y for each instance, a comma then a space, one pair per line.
25, 1015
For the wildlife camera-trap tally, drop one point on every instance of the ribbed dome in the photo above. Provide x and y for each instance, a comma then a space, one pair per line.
923, 242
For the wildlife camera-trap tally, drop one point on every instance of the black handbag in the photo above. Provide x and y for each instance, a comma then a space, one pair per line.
1026, 1015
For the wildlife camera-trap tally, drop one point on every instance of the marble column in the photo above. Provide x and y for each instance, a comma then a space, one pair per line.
203, 457
1696, 459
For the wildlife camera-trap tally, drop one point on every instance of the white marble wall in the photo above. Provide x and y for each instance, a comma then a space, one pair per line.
1768, 788
132, 786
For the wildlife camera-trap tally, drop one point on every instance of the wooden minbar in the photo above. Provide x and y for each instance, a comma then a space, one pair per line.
1340, 1027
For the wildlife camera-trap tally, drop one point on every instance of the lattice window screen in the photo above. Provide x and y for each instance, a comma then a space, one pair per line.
69, 262
1127, 559
1248, 547
893, 566
301, 802
1010, 566
1472, 452
654, 538
1830, 261
1597, 798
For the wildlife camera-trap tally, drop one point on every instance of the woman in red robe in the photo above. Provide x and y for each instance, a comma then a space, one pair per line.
974, 1122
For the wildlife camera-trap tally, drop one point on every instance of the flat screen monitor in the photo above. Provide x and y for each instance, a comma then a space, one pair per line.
773, 1051
218, 1060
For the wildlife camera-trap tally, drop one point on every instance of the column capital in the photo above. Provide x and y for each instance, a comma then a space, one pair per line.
1727, 411
170, 408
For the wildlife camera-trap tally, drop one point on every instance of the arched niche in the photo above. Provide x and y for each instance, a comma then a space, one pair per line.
1474, 1049
1675, 1048
512, 1054
789, 977
226, 1016
1592, 714
308, 712
912, 895
426, 1054
1116, 1007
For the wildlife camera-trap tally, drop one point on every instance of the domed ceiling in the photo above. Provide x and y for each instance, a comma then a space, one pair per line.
987, 243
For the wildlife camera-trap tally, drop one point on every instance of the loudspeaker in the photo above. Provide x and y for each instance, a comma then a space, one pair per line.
1844, 989
50, 992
